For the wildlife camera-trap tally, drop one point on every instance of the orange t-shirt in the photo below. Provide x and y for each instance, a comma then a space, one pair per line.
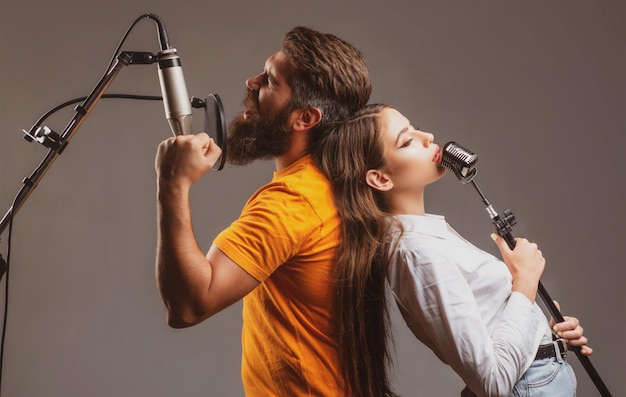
286, 238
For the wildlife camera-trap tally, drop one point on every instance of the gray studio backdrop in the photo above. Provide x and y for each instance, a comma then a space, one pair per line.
536, 88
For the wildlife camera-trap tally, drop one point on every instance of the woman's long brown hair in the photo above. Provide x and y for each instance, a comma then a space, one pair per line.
361, 318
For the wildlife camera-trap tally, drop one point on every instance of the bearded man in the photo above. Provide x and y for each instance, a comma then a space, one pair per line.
279, 255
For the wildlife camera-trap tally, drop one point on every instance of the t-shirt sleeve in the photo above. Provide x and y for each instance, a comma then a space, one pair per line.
272, 228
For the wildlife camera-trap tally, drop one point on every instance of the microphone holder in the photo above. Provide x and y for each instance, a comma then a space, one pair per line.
504, 225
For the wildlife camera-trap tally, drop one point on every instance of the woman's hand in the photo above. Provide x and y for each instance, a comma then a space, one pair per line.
571, 330
525, 262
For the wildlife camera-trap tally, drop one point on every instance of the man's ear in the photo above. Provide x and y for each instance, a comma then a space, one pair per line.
307, 118
378, 180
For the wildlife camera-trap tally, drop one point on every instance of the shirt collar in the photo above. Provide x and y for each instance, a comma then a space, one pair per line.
300, 163
429, 224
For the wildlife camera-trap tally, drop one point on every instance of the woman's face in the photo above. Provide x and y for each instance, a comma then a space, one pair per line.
411, 156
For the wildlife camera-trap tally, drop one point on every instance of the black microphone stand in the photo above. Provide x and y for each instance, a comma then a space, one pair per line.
504, 226
56, 143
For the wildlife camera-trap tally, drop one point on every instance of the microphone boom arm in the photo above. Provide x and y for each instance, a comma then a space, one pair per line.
57, 143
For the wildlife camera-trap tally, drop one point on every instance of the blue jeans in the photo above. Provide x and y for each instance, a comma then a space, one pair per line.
549, 377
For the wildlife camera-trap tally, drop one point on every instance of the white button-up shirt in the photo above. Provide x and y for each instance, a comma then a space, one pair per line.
457, 300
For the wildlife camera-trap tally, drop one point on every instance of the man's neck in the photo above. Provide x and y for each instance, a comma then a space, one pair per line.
298, 148
286, 160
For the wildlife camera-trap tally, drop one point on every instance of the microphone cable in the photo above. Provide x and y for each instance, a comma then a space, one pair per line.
5, 264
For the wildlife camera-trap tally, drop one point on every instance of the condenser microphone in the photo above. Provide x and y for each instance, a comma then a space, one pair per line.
176, 100
459, 160
174, 91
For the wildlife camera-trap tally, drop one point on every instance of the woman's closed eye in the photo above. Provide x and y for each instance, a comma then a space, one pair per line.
406, 143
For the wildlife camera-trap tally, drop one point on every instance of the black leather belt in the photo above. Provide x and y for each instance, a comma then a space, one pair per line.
558, 347
554, 349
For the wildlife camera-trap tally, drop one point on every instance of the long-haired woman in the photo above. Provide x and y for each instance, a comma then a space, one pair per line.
477, 314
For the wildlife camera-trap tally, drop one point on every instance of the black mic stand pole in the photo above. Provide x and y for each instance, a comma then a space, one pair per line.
57, 143
504, 225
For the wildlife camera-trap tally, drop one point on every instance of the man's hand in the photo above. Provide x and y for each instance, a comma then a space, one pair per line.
185, 158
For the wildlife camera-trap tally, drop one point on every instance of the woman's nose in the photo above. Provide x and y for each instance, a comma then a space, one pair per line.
427, 138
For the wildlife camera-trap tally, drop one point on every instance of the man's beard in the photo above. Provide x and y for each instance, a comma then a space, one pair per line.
257, 138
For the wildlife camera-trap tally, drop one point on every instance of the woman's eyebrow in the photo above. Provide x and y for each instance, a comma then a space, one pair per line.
402, 131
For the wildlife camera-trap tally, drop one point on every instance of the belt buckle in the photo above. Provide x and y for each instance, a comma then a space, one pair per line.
561, 344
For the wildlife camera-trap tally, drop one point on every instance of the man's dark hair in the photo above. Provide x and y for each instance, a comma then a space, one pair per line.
327, 73
330, 74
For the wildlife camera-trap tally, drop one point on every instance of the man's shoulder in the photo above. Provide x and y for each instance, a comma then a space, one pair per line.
300, 188
302, 177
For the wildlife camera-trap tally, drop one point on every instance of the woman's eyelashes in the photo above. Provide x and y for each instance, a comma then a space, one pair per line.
406, 143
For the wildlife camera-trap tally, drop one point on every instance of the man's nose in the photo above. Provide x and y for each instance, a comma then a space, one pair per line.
253, 83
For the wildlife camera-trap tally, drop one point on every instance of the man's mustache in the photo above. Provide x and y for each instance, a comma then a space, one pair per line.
251, 100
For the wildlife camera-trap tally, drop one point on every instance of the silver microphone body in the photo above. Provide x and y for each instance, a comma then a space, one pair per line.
459, 160
176, 100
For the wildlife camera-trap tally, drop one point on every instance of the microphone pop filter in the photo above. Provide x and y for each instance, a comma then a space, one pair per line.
215, 126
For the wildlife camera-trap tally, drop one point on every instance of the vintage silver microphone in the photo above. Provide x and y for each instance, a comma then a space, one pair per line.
459, 160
